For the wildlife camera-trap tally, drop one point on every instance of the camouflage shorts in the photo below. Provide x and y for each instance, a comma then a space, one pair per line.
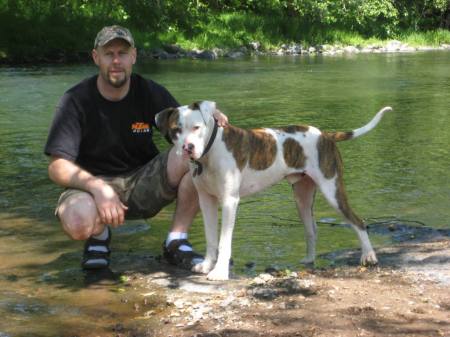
145, 191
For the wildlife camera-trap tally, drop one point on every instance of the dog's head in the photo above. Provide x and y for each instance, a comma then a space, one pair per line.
188, 127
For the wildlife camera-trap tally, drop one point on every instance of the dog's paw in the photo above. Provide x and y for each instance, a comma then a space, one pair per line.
218, 274
203, 268
308, 260
369, 259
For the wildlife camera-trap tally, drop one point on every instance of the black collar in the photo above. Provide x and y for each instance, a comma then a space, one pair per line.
199, 167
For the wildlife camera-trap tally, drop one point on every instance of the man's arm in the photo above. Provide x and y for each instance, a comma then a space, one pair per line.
67, 174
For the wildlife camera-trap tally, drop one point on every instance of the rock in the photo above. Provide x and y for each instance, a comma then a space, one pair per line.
393, 46
264, 293
425, 48
207, 55
179, 304
262, 278
254, 45
226, 302
235, 54
245, 302
351, 49
408, 49
173, 49
294, 49
163, 55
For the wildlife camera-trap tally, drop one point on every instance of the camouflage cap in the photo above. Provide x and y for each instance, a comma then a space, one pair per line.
110, 33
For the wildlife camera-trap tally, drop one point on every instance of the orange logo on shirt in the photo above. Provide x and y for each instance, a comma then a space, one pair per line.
140, 127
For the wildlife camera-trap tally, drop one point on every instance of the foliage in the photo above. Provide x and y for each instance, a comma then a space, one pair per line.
52, 29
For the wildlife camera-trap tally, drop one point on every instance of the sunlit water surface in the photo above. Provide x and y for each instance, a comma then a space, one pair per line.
400, 169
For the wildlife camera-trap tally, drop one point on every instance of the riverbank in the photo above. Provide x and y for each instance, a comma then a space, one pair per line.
174, 51
407, 295
254, 48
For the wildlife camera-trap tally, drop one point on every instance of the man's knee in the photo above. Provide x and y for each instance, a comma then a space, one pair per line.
78, 216
177, 167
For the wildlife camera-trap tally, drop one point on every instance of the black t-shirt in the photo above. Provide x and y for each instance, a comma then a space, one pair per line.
105, 137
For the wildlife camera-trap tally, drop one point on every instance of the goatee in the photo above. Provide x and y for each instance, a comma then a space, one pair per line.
117, 83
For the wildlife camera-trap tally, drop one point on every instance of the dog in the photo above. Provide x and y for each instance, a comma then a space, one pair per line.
230, 163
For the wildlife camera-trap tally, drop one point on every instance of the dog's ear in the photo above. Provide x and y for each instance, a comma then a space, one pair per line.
162, 121
207, 108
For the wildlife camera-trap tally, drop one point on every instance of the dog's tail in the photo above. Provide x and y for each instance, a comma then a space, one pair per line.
340, 136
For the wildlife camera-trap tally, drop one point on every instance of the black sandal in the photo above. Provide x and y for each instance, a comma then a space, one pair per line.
180, 258
93, 257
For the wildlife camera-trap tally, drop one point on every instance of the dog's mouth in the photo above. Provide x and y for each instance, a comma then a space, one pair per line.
188, 154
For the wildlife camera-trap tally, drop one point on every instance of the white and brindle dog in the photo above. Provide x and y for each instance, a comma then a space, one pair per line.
230, 163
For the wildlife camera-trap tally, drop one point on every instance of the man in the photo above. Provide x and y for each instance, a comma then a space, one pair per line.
101, 149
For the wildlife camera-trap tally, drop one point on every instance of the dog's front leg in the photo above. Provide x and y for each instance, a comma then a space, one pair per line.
209, 207
229, 209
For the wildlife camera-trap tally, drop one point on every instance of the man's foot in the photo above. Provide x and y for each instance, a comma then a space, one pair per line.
182, 258
96, 253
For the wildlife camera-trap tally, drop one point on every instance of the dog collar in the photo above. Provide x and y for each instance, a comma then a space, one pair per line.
198, 166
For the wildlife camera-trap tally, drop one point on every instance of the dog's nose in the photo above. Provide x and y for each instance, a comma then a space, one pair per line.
188, 147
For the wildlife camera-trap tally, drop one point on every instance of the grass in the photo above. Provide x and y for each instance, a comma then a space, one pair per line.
430, 38
233, 30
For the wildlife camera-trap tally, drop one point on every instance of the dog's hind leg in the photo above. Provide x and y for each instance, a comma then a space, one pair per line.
334, 191
304, 192
209, 206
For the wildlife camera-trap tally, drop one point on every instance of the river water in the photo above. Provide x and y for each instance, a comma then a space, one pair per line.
399, 170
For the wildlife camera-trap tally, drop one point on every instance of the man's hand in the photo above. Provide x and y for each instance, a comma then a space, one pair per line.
110, 209
222, 120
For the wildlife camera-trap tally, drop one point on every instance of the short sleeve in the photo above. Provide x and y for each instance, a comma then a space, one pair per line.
65, 132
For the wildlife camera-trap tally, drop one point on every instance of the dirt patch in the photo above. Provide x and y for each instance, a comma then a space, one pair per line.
407, 295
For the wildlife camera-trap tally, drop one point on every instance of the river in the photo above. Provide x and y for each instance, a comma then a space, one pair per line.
400, 170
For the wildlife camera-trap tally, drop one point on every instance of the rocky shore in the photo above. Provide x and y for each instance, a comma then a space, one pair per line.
254, 48
405, 296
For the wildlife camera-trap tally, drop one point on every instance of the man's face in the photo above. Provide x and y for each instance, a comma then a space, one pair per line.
115, 61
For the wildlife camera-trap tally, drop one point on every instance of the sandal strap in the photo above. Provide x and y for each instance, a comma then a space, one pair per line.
175, 245
178, 257
93, 242
93, 258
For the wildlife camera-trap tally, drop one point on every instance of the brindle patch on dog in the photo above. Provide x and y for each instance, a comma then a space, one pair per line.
255, 147
295, 128
293, 154
344, 206
263, 149
340, 136
329, 157
236, 141
173, 124
194, 106
330, 163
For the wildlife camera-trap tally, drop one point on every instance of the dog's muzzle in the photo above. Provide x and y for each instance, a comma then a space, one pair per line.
188, 149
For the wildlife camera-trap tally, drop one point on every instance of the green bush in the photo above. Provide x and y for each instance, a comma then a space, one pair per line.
65, 29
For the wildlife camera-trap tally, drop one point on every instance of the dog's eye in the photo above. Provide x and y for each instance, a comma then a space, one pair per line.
195, 128
176, 130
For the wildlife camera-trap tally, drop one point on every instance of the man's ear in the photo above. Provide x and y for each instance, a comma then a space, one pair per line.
162, 119
94, 55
